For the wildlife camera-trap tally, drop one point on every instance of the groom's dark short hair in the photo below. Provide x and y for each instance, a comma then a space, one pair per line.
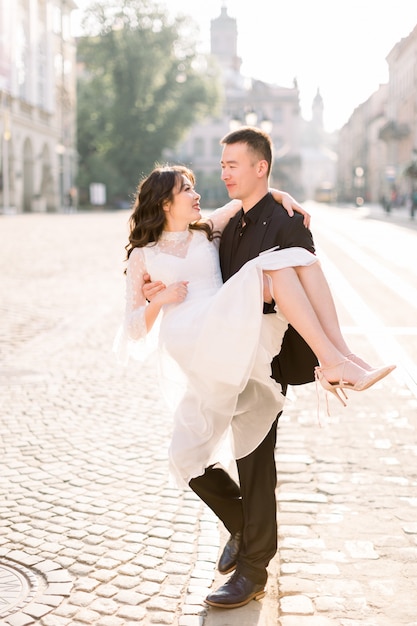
257, 140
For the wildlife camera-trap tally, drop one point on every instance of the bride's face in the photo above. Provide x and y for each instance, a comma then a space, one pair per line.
185, 206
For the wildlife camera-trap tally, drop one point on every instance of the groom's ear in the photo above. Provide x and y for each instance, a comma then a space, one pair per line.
262, 168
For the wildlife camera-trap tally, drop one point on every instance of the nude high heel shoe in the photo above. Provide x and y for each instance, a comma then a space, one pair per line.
372, 377
368, 379
332, 387
358, 361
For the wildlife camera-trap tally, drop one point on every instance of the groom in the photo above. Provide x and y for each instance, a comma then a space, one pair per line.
248, 511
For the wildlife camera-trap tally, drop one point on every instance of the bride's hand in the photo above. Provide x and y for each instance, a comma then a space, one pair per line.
158, 293
290, 205
174, 293
150, 288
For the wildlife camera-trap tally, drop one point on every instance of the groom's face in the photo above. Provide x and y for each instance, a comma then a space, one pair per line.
240, 170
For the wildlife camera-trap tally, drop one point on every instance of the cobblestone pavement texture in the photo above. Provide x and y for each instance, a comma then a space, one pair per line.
91, 530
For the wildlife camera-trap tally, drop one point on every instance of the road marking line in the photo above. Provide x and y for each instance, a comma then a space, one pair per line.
392, 280
381, 339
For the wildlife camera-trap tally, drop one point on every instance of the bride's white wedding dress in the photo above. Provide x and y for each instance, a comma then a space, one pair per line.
214, 349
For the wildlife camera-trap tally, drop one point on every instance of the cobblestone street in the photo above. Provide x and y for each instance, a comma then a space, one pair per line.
91, 530
85, 492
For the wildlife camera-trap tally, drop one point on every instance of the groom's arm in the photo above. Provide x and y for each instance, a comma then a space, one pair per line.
293, 233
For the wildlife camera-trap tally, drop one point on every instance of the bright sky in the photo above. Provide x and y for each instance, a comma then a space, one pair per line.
338, 46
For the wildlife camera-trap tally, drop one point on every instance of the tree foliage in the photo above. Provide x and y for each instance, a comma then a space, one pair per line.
141, 85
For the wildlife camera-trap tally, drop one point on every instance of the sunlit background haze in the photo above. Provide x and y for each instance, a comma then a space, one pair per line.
337, 46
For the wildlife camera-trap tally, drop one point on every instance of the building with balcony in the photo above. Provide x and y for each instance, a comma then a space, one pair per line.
37, 105
400, 130
378, 145
362, 154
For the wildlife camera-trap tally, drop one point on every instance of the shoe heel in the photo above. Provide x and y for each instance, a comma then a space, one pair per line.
335, 388
340, 396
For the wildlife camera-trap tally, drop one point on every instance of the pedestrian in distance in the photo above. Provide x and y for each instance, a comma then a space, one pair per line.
216, 344
413, 203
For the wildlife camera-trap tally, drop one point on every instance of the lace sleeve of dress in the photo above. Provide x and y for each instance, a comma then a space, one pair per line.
135, 300
220, 217
132, 339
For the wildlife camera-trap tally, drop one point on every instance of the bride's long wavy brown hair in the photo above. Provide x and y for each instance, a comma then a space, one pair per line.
147, 220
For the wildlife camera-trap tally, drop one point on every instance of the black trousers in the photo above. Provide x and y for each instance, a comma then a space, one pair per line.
249, 506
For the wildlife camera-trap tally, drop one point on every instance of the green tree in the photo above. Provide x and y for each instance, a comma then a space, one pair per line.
141, 85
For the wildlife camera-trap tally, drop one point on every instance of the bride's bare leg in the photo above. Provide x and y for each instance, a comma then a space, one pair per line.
293, 301
318, 292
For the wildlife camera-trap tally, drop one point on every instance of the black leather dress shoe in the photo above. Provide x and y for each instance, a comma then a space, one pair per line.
228, 558
238, 591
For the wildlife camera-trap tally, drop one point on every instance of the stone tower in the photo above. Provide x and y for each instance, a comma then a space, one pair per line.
223, 41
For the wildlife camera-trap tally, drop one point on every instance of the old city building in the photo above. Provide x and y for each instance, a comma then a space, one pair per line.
362, 153
319, 156
375, 158
378, 145
37, 105
246, 101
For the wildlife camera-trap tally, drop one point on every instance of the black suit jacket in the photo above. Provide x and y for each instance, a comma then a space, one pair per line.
274, 228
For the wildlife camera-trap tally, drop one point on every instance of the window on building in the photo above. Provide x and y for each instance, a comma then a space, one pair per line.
57, 20
278, 142
42, 62
198, 148
66, 27
278, 115
22, 50
215, 147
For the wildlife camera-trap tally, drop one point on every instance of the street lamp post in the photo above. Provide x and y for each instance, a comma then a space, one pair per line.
60, 151
251, 118
359, 184
411, 172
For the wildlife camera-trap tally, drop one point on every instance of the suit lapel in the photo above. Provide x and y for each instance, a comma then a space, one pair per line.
263, 237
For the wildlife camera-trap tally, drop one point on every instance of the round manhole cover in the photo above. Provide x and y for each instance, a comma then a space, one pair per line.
17, 587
